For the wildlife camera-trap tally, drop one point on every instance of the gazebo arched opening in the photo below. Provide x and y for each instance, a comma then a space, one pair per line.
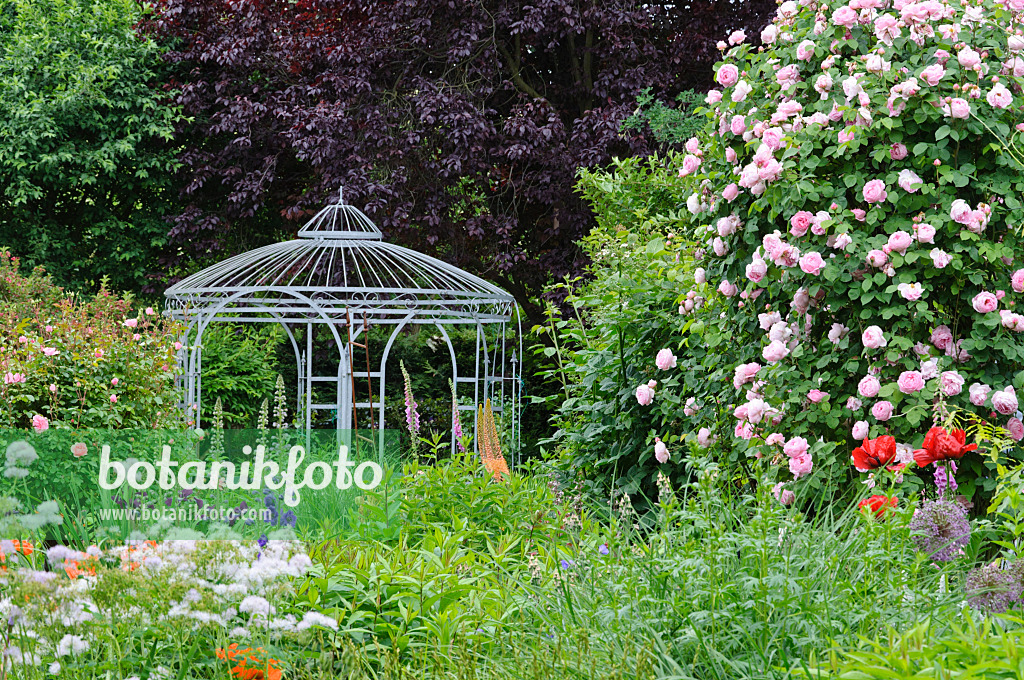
339, 277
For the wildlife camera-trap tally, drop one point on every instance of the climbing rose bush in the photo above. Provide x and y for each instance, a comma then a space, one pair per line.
856, 199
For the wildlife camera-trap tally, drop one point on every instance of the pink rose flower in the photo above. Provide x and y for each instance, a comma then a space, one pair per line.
690, 164
899, 241
745, 373
665, 359
910, 382
727, 75
940, 258
50, 351
925, 233
910, 291
816, 396
743, 430
874, 191
704, 438
942, 337
727, 289
644, 395
40, 423
738, 125
660, 451
868, 387
79, 450
985, 302
1015, 428
801, 300
113, 398
1005, 401
845, 16
150, 311
800, 223
957, 108
837, 333
796, 447
854, 404
951, 383
860, 429
131, 323
882, 410
812, 263
801, 465
999, 97
979, 393
933, 74
805, 50
774, 352
177, 346
908, 180
731, 192
1017, 281
775, 439
968, 58
897, 152
877, 258
873, 338
690, 407
756, 270
783, 496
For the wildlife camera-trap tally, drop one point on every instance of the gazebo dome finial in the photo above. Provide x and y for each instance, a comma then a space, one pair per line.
341, 221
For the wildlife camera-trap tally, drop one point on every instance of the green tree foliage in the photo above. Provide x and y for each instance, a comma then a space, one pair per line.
85, 159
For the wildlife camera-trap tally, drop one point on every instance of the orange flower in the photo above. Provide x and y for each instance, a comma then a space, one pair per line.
248, 666
74, 570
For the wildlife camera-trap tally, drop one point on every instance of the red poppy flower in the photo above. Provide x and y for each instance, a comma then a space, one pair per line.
874, 453
877, 504
941, 445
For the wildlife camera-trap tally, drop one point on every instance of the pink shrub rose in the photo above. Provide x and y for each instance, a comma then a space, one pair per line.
951, 383
868, 387
985, 302
910, 382
1016, 429
1005, 401
874, 191
727, 75
812, 263
979, 393
665, 359
801, 465
882, 410
873, 338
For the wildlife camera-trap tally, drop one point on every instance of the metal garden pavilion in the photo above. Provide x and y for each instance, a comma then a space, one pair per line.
340, 277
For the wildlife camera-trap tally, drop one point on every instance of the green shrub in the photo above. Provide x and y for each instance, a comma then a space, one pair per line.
240, 369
